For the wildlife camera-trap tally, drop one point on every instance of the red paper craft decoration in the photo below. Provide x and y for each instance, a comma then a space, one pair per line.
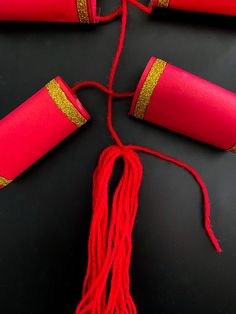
184, 103
35, 127
227, 7
83, 11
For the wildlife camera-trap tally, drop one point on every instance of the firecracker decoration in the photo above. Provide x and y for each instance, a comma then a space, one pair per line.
36, 126
77, 11
227, 7
182, 102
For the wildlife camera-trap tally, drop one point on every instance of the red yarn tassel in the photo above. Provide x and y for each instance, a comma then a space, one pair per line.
107, 282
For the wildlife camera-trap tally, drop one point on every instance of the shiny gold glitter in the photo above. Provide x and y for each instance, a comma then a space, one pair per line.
148, 87
4, 181
233, 149
83, 11
63, 103
163, 3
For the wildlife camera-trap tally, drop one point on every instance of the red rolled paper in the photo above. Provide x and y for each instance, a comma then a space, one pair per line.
182, 102
227, 7
83, 11
36, 126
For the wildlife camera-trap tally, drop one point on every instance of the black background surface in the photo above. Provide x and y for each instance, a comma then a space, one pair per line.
45, 214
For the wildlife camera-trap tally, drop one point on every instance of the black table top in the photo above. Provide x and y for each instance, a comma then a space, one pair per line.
45, 214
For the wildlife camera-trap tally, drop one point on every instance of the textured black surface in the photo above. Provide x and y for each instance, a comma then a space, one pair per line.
45, 214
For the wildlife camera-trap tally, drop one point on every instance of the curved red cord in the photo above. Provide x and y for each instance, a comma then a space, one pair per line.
118, 11
202, 185
111, 16
113, 72
102, 88
142, 7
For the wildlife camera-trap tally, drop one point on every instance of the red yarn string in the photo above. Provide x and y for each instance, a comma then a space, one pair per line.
102, 88
207, 222
106, 288
115, 64
142, 7
118, 11
110, 16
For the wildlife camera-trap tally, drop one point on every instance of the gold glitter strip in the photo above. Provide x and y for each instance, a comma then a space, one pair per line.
4, 181
83, 11
163, 3
63, 103
148, 87
233, 149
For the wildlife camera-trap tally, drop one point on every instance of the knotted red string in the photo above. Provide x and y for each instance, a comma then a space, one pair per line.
106, 288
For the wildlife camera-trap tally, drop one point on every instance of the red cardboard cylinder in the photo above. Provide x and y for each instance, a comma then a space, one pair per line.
227, 7
83, 11
182, 102
36, 126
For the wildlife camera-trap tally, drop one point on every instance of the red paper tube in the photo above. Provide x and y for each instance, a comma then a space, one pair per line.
227, 7
36, 126
182, 102
83, 11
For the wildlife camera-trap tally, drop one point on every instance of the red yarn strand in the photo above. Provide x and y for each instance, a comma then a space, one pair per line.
207, 222
111, 16
142, 7
102, 88
115, 64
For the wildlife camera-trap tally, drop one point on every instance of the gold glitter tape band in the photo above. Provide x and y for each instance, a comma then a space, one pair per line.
4, 181
83, 11
63, 103
233, 149
148, 87
163, 3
